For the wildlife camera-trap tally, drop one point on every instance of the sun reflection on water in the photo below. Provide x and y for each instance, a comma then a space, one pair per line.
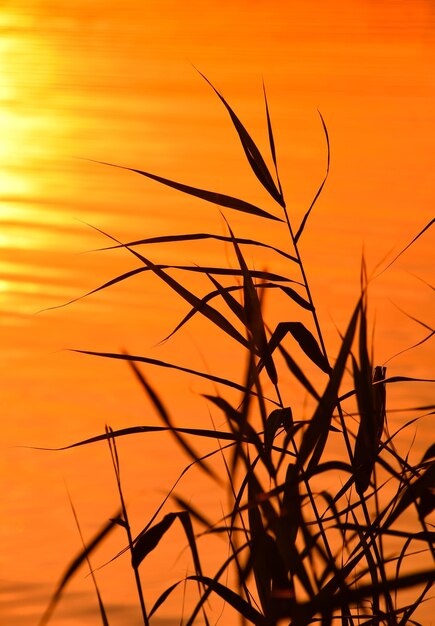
28, 145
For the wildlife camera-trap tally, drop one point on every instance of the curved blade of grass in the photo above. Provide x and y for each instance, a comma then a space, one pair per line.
429, 454
371, 404
275, 342
319, 191
231, 302
252, 153
209, 312
76, 563
254, 318
394, 379
260, 547
278, 418
291, 512
109, 283
169, 492
194, 513
315, 436
355, 594
272, 141
423, 230
306, 341
143, 359
413, 318
241, 427
161, 599
201, 306
194, 268
298, 373
161, 409
411, 492
210, 196
233, 557
149, 540
366, 444
194, 310
291, 293
226, 271
224, 292
103, 614
212, 314
233, 599
426, 536
199, 237
234, 417
414, 345
137, 430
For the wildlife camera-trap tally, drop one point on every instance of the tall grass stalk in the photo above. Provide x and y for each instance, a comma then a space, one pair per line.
299, 549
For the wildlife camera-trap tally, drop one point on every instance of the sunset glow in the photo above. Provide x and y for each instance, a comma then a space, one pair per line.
115, 82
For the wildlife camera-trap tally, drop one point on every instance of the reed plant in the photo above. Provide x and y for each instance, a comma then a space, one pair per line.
324, 513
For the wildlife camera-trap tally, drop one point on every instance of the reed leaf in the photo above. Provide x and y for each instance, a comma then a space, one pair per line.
306, 341
273, 585
234, 305
254, 317
322, 184
81, 558
244, 431
252, 153
296, 371
101, 607
412, 492
137, 430
233, 599
419, 234
315, 437
147, 541
205, 309
161, 410
220, 199
271, 140
201, 237
143, 359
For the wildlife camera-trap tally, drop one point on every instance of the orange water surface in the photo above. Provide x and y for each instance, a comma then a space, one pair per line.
116, 81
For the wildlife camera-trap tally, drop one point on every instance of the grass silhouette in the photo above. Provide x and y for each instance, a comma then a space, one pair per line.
300, 551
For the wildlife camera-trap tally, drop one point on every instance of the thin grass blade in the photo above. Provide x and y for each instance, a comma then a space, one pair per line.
315, 436
298, 373
252, 153
137, 430
234, 304
412, 492
233, 599
101, 607
307, 342
200, 237
220, 199
271, 140
422, 231
254, 318
319, 191
76, 563
149, 540
143, 359
162, 411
